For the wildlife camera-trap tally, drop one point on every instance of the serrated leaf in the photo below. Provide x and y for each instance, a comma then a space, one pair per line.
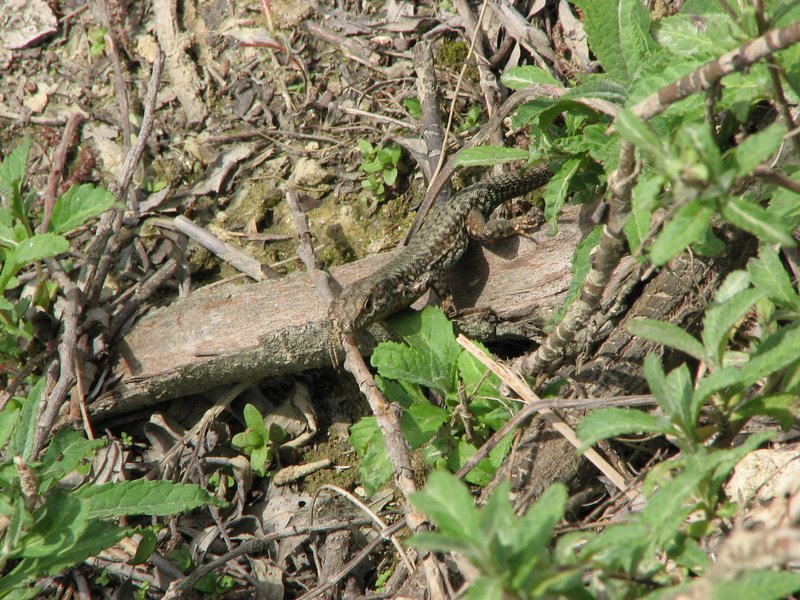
638, 133
685, 227
556, 192
140, 497
619, 35
752, 218
38, 247
430, 357
536, 526
487, 156
721, 317
768, 273
517, 78
77, 204
604, 423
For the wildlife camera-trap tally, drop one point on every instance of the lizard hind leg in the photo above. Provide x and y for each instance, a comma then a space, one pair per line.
445, 297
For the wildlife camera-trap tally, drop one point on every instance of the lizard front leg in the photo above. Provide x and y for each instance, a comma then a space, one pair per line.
479, 228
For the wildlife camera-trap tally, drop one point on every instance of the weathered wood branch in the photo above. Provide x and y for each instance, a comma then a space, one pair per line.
233, 333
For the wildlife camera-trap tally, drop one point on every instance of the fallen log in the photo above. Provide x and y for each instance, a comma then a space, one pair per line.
237, 332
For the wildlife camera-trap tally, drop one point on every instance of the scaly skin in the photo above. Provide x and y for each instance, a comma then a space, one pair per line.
436, 247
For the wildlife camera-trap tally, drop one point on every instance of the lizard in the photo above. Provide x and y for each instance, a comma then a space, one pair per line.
437, 246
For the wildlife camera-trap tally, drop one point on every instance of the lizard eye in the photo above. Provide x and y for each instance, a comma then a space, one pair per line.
368, 304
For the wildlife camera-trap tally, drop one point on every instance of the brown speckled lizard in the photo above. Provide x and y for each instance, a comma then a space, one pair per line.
438, 244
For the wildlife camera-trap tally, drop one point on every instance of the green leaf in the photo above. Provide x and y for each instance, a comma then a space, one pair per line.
57, 523
95, 538
68, 451
12, 169
390, 176
79, 203
477, 379
699, 36
709, 244
639, 133
778, 351
365, 148
421, 422
781, 407
38, 247
517, 78
619, 35
644, 201
481, 474
141, 497
685, 227
673, 393
581, 265
604, 423
698, 147
764, 585
667, 334
671, 504
602, 88
556, 192
535, 529
449, 505
21, 443
752, 218
485, 588
768, 274
486, 156
721, 317
430, 357
755, 149
717, 380
375, 468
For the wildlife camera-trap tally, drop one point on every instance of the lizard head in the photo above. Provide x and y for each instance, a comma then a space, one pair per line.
355, 308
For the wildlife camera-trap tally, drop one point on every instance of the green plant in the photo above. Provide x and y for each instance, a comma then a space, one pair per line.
97, 40
471, 408
471, 120
381, 166
48, 527
21, 246
511, 553
695, 161
257, 441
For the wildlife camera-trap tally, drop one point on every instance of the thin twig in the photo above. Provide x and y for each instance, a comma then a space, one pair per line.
57, 169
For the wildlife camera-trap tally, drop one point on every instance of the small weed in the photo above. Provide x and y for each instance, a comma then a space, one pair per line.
381, 166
